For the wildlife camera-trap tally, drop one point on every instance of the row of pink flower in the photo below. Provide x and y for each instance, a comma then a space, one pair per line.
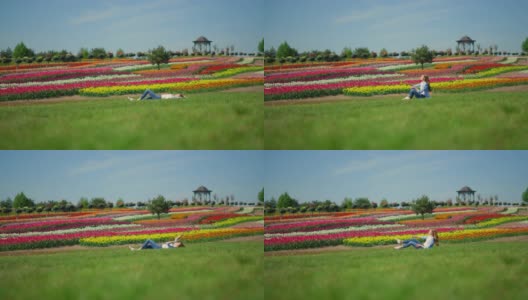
344, 235
85, 84
346, 84
26, 225
87, 71
322, 224
95, 233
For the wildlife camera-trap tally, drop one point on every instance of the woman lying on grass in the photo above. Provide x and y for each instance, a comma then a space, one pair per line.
430, 240
148, 94
420, 90
150, 244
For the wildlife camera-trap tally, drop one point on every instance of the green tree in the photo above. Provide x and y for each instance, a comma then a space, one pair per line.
83, 53
120, 203
525, 196
384, 52
158, 206
261, 197
286, 201
525, 45
362, 203
158, 56
22, 51
120, 53
384, 203
7, 203
22, 201
347, 52
422, 206
285, 50
422, 55
362, 52
98, 202
261, 46
83, 202
347, 203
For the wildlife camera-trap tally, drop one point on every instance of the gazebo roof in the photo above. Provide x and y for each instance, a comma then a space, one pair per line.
202, 189
466, 39
202, 39
466, 189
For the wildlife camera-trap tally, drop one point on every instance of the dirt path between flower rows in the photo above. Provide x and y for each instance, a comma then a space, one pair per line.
78, 98
84, 248
341, 248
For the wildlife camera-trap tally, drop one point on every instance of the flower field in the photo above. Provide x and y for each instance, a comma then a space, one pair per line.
125, 76
389, 76
123, 226
383, 226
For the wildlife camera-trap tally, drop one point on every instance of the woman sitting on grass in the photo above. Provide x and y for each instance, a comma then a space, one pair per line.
420, 90
148, 94
430, 240
150, 244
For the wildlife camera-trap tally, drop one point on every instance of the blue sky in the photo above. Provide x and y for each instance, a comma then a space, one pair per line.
395, 24
133, 25
394, 175
132, 175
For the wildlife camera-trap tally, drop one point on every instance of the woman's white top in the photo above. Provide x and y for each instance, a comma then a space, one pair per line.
170, 96
424, 90
429, 241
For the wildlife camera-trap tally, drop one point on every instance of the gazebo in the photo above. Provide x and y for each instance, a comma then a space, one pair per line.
202, 44
202, 194
466, 41
466, 193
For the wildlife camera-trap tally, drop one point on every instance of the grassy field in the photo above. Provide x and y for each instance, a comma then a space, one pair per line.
220, 120
483, 270
215, 270
476, 120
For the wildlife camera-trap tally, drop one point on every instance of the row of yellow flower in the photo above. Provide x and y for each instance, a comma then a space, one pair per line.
457, 85
195, 85
235, 71
498, 221
458, 235
188, 236
500, 70
237, 220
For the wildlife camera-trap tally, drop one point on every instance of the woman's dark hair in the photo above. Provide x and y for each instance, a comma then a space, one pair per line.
426, 79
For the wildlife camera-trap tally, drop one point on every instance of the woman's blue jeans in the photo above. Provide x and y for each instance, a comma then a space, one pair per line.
150, 244
148, 94
414, 93
412, 242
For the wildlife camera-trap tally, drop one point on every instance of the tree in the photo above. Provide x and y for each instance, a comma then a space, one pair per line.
83, 202
120, 203
525, 45
285, 50
261, 197
158, 206
347, 203
98, 202
383, 52
158, 56
98, 53
384, 203
83, 53
362, 203
347, 52
286, 201
22, 51
261, 46
362, 52
120, 53
22, 201
525, 196
422, 206
422, 55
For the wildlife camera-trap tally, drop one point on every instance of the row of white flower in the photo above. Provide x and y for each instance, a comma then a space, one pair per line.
246, 61
401, 217
245, 210
72, 80
510, 210
329, 231
333, 80
509, 60
404, 66
71, 230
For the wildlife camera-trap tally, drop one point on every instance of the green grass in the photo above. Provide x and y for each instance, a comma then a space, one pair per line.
482, 270
219, 120
216, 270
475, 120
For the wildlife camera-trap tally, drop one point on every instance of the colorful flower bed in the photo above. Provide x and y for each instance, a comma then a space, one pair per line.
236, 220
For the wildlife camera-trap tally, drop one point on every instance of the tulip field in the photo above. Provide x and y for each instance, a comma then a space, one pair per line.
477, 102
85, 105
390, 76
366, 228
95, 228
